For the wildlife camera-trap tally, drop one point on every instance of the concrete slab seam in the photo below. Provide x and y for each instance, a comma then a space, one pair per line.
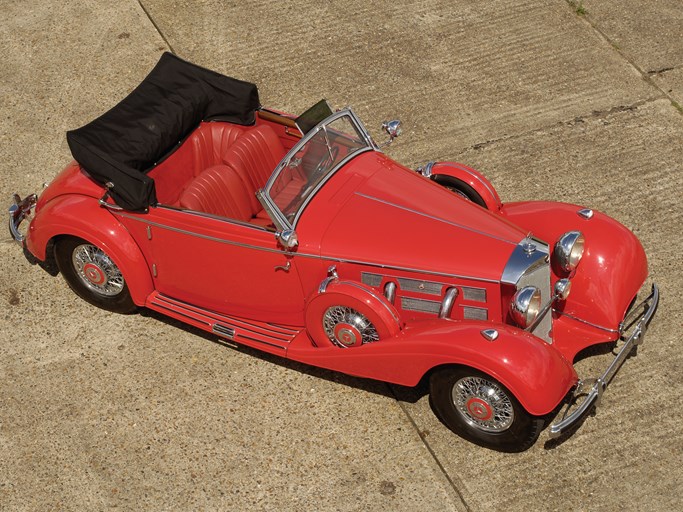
441, 467
154, 23
646, 75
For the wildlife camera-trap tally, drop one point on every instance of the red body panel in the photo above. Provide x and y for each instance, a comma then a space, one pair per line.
611, 272
380, 224
82, 216
534, 371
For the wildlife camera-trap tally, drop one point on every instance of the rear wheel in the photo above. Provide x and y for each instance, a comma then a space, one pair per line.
92, 275
480, 409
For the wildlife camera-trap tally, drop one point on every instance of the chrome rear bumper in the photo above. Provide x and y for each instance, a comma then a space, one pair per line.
18, 211
636, 323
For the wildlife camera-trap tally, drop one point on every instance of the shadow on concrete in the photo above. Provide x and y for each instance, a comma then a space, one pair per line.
401, 393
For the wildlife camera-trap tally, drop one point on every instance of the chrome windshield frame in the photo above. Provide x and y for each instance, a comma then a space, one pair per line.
279, 218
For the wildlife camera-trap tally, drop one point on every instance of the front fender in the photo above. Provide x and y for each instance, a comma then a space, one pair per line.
83, 217
471, 177
613, 267
537, 374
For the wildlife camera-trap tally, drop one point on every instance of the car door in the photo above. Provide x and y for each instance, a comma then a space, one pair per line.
221, 265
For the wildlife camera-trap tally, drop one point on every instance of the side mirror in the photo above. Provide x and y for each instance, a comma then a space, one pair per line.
393, 129
287, 239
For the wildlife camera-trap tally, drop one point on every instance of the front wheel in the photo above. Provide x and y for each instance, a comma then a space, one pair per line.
480, 409
92, 275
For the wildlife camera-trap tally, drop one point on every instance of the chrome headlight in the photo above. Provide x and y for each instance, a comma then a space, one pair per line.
568, 250
525, 306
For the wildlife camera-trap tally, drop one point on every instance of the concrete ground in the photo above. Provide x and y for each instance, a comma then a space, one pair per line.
576, 101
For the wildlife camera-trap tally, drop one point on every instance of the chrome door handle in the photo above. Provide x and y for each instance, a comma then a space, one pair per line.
285, 267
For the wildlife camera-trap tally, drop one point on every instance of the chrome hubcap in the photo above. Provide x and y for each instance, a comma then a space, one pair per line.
96, 270
483, 404
346, 327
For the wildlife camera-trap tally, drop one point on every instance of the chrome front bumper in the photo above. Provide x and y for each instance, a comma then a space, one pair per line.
19, 210
636, 323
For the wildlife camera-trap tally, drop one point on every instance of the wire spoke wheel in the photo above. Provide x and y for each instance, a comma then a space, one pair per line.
346, 327
483, 404
480, 409
96, 270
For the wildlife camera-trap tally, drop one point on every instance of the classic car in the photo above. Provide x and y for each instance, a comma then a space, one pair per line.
298, 236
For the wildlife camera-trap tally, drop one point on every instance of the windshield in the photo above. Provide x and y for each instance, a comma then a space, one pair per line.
314, 160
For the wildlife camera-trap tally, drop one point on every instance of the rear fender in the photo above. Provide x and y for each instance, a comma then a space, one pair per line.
83, 217
474, 179
537, 374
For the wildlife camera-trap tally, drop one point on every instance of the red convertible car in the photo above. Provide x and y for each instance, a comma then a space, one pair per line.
298, 236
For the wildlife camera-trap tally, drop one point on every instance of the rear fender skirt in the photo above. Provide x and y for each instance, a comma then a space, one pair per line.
83, 217
537, 374
473, 178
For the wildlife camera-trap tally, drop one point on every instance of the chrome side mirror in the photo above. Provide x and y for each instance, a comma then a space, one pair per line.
393, 129
287, 238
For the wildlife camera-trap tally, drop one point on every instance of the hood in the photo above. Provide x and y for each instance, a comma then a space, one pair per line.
398, 218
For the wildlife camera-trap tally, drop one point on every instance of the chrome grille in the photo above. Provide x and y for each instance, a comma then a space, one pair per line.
414, 285
474, 294
470, 313
371, 279
424, 306
538, 275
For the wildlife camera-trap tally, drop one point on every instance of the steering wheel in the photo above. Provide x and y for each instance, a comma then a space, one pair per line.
329, 157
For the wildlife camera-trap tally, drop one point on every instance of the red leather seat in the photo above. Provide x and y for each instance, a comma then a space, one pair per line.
220, 191
204, 148
210, 141
254, 155
229, 189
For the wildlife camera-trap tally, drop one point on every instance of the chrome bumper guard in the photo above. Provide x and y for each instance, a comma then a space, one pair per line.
19, 210
592, 389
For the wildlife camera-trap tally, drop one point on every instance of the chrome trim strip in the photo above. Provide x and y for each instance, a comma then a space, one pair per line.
223, 330
304, 255
242, 336
438, 219
210, 216
194, 319
562, 313
600, 384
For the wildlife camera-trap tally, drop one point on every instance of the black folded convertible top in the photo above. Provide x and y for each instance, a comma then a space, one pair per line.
125, 143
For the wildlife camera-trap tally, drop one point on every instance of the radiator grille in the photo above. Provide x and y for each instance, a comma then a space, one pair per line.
470, 313
474, 294
424, 306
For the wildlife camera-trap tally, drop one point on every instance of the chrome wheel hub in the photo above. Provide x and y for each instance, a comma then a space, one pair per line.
96, 270
346, 327
483, 404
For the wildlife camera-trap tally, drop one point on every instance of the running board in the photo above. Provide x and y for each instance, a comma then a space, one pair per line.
261, 335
